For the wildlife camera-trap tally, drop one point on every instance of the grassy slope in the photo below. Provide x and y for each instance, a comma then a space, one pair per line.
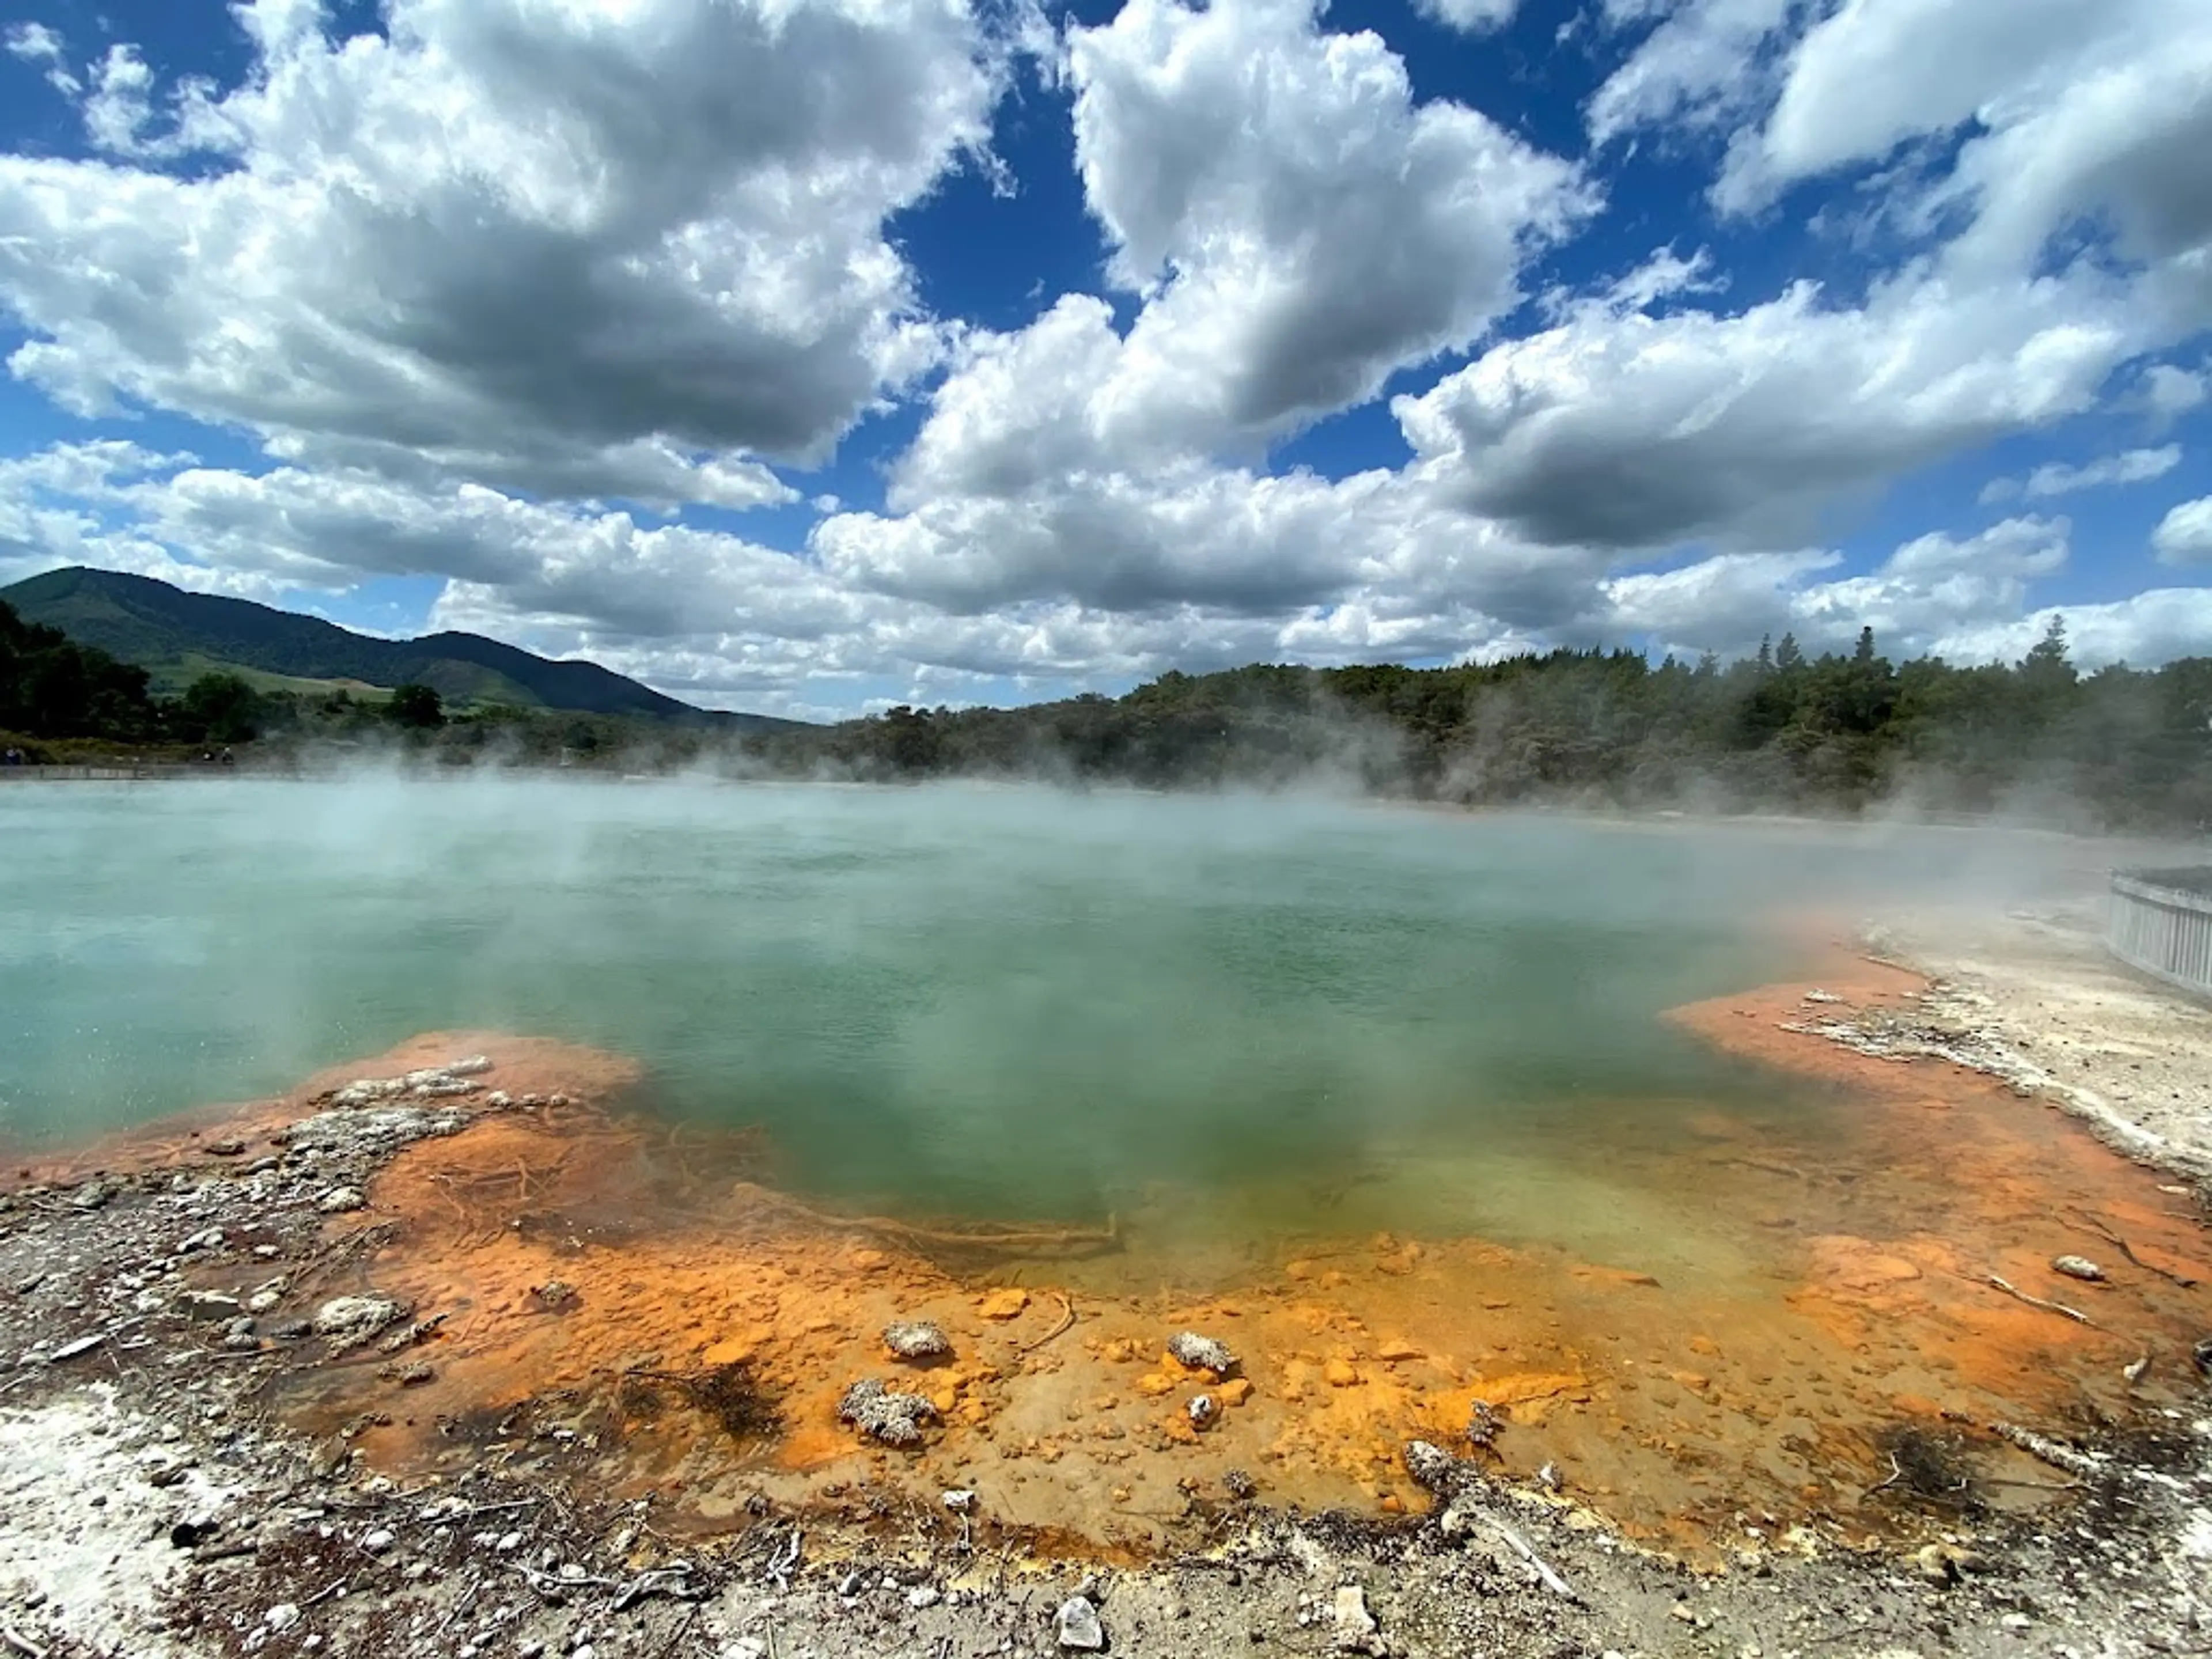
171, 634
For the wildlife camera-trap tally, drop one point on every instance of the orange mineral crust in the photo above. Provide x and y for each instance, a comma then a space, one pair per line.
644, 1308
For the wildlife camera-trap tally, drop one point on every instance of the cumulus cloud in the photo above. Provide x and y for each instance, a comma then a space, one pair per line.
505, 291
2075, 113
1628, 431
1297, 227
538, 243
2183, 535
1297, 224
2130, 466
1926, 591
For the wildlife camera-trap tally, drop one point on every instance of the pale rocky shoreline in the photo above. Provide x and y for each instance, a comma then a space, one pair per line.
150, 1504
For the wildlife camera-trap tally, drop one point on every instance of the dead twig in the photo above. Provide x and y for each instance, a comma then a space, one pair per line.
2067, 1460
23, 1644
1542, 1568
1066, 1324
1896, 1475
2019, 1295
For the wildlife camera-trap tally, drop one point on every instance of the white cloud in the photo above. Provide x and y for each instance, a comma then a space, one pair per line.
1298, 225
1627, 430
2056, 478
1469, 16
1926, 591
2169, 392
471, 282
2144, 630
2183, 535
1697, 66
2077, 114
552, 245
34, 43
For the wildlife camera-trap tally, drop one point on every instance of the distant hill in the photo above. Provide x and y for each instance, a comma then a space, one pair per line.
175, 635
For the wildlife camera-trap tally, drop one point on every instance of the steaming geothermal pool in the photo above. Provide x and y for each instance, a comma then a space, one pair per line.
987, 1002
1392, 1100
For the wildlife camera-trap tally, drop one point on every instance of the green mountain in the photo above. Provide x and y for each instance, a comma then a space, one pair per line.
176, 635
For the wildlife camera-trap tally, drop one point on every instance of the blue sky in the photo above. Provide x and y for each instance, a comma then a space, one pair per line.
816, 357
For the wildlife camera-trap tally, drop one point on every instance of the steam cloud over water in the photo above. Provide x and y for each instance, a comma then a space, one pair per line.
948, 1000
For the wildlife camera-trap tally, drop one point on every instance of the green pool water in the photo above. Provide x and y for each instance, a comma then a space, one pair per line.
955, 1000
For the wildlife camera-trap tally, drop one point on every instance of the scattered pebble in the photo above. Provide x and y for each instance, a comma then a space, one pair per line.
339, 1199
1078, 1626
2077, 1266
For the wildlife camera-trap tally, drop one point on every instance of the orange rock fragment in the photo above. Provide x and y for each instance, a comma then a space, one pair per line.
1340, 1374
1234, 1392
1153, 1384
1006, 1303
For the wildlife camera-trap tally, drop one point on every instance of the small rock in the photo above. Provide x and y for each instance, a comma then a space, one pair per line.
93, 1195
1202, 1411
2017, 1621
378, 1542
208, 1304
282, 1616
1078, 1626
354, 1318
1934, 1565
894, 1418
923, 1595
262, 1301
1356, 1629
226, 1148
1202, 1354
555, 1293
1239, 1485
1340, 1374
1006, 1303
81, 1344
1483, 1424
960, 1501
208, 1238
339, 1199
916, 1338
2077, 1266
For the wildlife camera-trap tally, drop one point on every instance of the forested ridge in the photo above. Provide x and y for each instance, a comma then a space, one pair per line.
1780, 730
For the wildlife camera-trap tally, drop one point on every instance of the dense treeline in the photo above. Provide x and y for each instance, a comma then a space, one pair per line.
2118, 748
1780, 730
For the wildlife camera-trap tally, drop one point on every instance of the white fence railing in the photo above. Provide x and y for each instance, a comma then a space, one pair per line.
2161, 923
